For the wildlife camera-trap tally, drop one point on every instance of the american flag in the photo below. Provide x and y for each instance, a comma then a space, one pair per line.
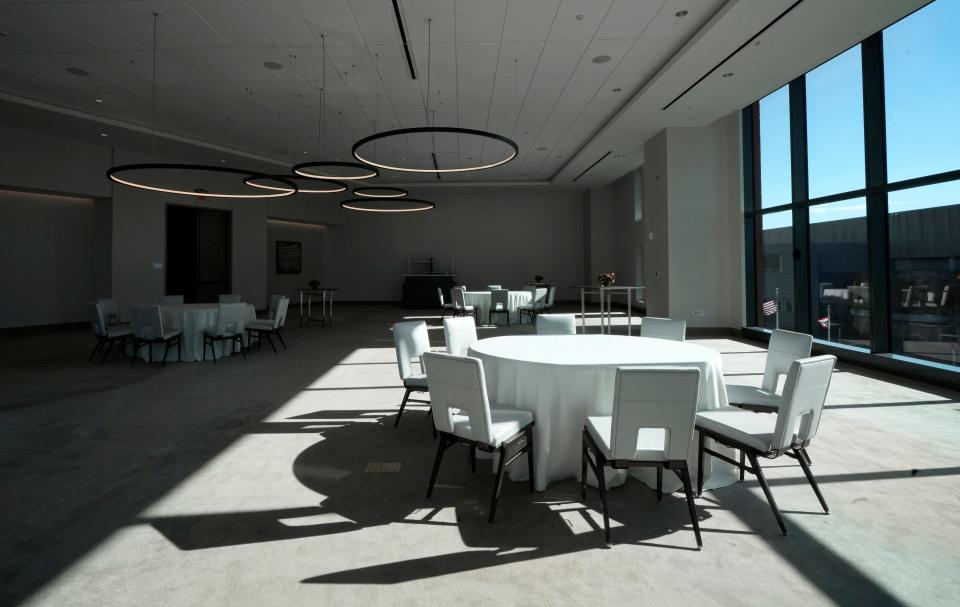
769, 307
824, 321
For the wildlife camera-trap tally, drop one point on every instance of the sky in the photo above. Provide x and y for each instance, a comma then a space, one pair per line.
922, 89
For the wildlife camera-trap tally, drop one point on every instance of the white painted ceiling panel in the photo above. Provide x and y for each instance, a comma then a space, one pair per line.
374, 19
283, 22
579, 19
628, 18
480, 21
232, 20
529, 19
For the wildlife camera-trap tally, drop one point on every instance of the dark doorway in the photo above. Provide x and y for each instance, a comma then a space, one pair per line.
198, 253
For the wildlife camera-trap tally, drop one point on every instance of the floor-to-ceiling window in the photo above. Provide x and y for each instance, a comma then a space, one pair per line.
860, 244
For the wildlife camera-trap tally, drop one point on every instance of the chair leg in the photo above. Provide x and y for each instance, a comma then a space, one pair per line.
243, 350
107, 351
204, 349
766, 491
403, 404
96, 349
806, 456
659, 484
473, 459
583, 468
270, 341
602, 484
496, 486
813, 482
685, 477
166, 349
530, 468
436, 465
700, 464
136, 351
743, 462
180, 348
280, 337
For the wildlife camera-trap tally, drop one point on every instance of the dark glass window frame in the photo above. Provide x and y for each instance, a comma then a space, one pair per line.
875, 193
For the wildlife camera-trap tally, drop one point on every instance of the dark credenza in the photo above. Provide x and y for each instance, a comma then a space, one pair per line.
420, 290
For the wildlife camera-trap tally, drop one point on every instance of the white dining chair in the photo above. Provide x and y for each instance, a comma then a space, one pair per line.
460, 334
499, 304
229, 298
663, 328
106, 335
230, 319
556, 324
148, 330
532, 307
171, 300
789, 432
267, 327
111, 312
445, 306
651, 426
462, 414
493, 287
411, 340
462, 309
784, 348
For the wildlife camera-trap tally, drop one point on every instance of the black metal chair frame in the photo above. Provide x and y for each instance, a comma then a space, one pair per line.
109, 341
679, 467
261, 333
407, 399
493, 311
763, 409
509, 450
798, 449
169, 341
475, 312
211, 339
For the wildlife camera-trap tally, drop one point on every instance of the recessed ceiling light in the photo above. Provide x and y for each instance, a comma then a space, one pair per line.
616, 90
76, 71
728, 74
104, 135
579, 17
601, 59
272, 65
99, 100
681, 14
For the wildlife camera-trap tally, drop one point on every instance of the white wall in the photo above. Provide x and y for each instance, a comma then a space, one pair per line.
47, 258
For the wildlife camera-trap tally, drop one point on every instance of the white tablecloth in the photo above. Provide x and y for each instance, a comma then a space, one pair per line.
563, 379
515, 299
193, 320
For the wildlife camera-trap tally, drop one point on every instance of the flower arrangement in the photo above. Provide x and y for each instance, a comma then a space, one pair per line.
314, 284
538, 278
607, 278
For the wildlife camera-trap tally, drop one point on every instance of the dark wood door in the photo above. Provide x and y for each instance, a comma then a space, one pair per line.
198, 253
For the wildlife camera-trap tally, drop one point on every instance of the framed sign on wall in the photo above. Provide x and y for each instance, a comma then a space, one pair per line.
289, 257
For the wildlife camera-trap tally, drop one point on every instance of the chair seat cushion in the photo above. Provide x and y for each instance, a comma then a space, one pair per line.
651, 442
747, 427
416, 381
259, 325
504, 423
751, 395
119, 331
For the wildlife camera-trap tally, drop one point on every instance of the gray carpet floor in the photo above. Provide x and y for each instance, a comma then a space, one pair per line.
247, 483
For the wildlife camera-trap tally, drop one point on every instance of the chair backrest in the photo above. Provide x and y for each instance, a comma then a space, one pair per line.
457, 295
230, 318
460, 333
280, 318
96, 319
499, 299
556, 324
551, 295
274, 303
457, 385
147, 322
410, 340
803, 396
228, 298
171, 300
532, 290
109, 309
654, 397
663, 328
784, 348
494, 287
440, 296
945, 296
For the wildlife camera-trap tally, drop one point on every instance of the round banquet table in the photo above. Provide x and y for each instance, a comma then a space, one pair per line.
481, 300
563, 379
193, 320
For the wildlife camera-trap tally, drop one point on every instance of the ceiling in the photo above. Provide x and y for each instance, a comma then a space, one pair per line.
533, 70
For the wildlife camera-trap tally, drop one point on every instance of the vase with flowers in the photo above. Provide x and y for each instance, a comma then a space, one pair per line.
607, 279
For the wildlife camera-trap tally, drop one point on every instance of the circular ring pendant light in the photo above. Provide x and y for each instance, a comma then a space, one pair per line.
330, 170
127, 174
395, 205
380, 192
303, 185
433, 131
280, 186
